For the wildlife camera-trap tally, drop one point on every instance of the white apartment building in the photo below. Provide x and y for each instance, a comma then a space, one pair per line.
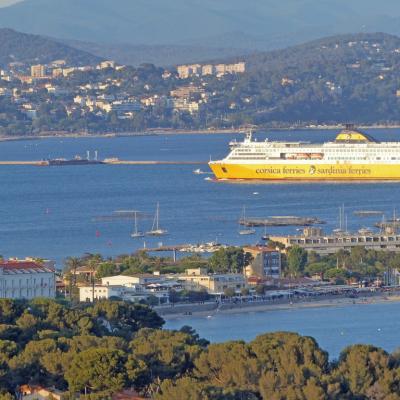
86, 293
26, 279
38, 71
57, 91
125, 280
180, 105
186, 71
106, 64
130, 288
68, 71
198, 279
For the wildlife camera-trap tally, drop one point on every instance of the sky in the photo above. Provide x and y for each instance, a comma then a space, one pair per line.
4, 3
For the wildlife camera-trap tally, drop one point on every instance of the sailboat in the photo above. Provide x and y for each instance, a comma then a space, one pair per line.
246, 231
265, 237
155, 229
136, 233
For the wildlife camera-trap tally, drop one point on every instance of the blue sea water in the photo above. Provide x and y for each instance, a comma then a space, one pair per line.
51, 211
334, 328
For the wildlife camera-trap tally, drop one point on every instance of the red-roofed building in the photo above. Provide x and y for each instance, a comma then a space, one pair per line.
26, 279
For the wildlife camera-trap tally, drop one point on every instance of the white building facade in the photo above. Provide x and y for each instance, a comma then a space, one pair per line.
26, 280
130, 288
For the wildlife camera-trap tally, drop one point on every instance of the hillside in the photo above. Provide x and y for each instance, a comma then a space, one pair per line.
258, 24
340, 79
17, 46
336, 79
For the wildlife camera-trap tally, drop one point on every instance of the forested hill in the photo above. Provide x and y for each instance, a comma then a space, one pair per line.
336, 79
17, 46
339, 49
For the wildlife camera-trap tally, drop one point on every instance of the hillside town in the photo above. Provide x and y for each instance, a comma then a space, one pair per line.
266, 90
102, 97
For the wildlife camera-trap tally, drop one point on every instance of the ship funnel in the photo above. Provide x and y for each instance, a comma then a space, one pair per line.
249, 135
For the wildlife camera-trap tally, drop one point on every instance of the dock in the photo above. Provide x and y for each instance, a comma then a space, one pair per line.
37, 163
166, 248
281, 221
210, 247
111, 162
137, 162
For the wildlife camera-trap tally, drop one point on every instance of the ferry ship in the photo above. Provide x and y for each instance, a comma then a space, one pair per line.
353, 155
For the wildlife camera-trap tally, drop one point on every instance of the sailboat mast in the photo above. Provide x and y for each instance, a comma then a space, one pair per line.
136, 231
157, 215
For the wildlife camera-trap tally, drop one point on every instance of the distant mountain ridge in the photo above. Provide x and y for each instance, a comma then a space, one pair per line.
17, 46
253, 24
161, 55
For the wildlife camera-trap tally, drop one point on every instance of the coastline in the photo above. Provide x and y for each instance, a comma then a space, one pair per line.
166, 132
240, 308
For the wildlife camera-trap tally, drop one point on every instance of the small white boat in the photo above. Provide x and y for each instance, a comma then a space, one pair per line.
155, 229
208, 179
247, 232
198, 171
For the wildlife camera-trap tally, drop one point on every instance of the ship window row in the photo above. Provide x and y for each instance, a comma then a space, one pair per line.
363, 150
249, 155
248, 152
247, 158
364, 158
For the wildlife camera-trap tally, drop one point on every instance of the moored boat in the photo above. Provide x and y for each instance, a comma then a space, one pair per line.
155, 229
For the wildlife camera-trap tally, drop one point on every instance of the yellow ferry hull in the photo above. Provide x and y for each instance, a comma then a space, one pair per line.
307, 172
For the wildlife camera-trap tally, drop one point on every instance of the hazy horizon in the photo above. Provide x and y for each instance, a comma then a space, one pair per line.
257, 24
5, 3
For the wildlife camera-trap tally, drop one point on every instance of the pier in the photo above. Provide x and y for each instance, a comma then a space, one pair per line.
210, 247
173, 249
45, 163
166, 248
136, 162
281, 221
37, 163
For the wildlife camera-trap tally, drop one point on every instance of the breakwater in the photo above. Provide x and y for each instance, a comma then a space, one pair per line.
112, 162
